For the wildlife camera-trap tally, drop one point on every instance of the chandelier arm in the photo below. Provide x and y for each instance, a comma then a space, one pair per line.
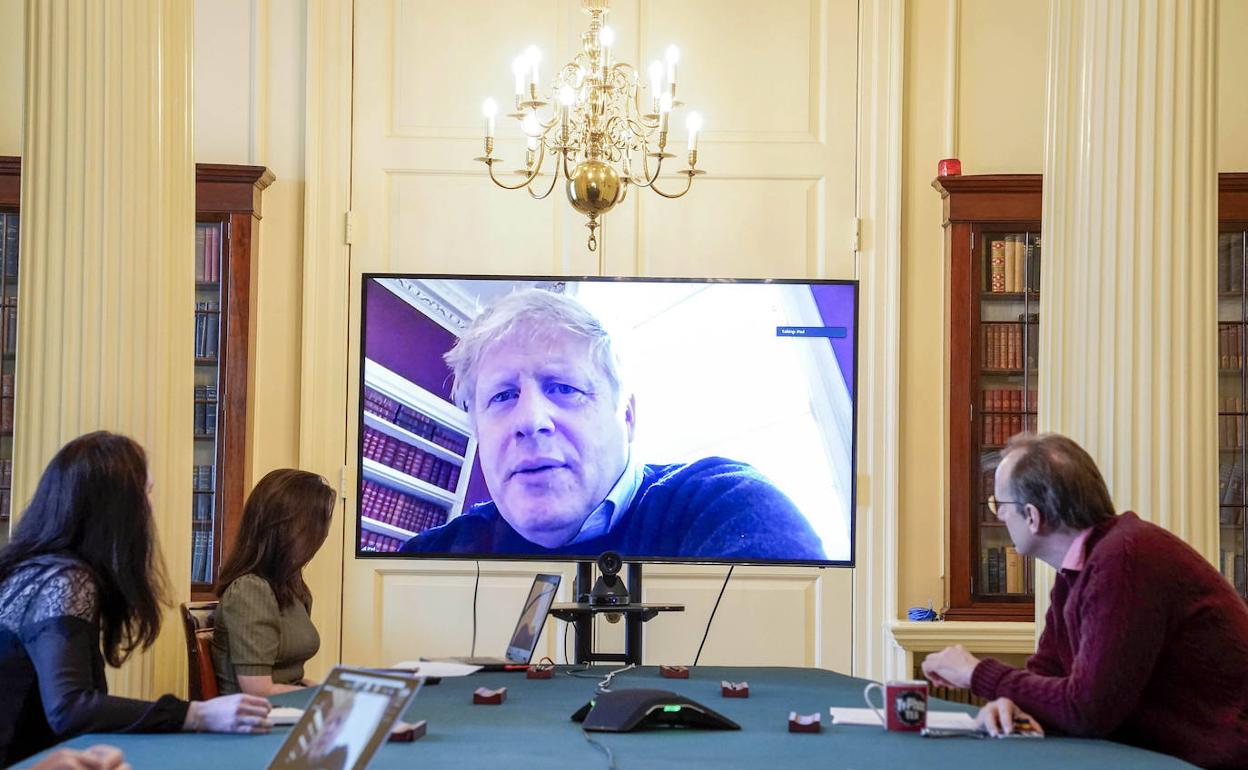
567, 173
537, 167
688, 184
647, 180
553, 179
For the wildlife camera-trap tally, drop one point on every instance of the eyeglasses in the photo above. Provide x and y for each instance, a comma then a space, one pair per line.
994, 504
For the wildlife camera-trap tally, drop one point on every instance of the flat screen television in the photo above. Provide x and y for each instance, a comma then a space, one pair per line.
669, 420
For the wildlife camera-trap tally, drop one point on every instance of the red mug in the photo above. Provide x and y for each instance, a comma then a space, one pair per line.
905, 704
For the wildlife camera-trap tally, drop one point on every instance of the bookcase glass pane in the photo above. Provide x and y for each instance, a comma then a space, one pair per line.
1009, 324
1232, 398
209, 280
9, 224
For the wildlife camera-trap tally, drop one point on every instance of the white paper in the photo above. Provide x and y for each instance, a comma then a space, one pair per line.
941, 720
438, 668
285, 715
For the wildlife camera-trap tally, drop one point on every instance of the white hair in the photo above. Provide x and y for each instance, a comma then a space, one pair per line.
537, 311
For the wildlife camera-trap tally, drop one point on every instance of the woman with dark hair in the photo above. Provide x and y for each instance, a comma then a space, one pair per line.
82, 571
263, 633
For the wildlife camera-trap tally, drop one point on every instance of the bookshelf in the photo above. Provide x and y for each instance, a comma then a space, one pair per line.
416, 454
10, 223
992, 244
227, 217
1232, 343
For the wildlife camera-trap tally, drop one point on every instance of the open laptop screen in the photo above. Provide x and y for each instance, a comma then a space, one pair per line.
347, 720
532, 618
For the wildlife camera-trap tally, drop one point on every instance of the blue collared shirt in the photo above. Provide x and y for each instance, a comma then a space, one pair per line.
604, 518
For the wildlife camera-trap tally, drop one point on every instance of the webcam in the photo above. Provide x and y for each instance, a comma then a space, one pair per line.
609, 590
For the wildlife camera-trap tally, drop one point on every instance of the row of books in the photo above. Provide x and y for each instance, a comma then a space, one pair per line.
1230, 262
9, 244
1008, 345
999, 427
381, 405
6, 402
207, 252
1013, 263
381, 503
203, 506
1006, 571
1231, 481
207, 329
378, 543
413, 461
1232, 568
6, 486
1231, 515
8, 325
1231, 426
205, 410
201, 551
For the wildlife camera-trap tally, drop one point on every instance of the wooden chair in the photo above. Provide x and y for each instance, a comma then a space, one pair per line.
198, 619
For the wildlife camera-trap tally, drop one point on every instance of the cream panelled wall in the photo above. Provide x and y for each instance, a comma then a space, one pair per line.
776, 83
104, 330
961, 100
12, 70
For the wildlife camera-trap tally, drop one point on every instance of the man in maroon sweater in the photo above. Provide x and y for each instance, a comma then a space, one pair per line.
1144, 642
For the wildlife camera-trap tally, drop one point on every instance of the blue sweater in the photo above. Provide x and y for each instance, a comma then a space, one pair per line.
709, 509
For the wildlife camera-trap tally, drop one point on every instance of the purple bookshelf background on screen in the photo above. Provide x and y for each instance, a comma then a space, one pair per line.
836, 307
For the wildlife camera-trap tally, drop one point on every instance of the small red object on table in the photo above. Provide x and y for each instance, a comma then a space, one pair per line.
545, 669
674, 672
406, 732
734, 689
484, 696
804, 723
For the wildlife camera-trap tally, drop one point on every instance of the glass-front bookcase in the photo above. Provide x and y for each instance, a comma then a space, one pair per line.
211, 273
992, 244
1232, 355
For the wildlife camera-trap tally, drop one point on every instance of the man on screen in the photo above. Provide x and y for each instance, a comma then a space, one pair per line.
540, 381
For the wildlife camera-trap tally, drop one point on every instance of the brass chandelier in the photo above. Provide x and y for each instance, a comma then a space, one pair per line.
600, 130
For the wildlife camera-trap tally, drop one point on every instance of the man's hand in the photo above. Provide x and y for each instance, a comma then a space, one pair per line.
951, 667
1002, 717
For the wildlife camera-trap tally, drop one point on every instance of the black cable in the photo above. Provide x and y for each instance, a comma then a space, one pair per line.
712, 617
567, 659
475, 586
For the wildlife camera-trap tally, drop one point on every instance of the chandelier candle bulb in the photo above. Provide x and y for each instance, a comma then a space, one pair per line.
520, 69
673, 58
606, 39
489, 109
694, 124
665, 110
534, 55
656, 83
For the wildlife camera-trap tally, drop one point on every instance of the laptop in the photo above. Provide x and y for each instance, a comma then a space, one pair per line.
528, 629
350, 716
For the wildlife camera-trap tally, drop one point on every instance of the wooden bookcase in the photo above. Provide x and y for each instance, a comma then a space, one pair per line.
227, 203
994, 324
978, 210
1232, 378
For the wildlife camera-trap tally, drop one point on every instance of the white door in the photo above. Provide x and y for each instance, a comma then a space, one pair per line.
776, 84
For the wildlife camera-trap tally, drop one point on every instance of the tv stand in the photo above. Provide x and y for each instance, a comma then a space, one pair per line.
581, 614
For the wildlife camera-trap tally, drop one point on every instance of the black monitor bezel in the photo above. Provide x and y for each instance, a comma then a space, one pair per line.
850, 563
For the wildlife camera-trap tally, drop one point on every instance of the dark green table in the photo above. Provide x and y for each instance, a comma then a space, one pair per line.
532, 730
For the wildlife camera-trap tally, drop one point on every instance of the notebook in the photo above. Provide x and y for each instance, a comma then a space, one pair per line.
350, 716
528, 628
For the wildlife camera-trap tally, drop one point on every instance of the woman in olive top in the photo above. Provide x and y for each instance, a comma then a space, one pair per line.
263, 633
